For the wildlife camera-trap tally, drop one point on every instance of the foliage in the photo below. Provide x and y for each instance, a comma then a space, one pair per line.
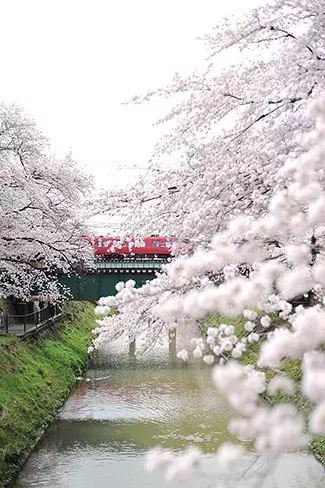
290, 367
40, 207
284, 253
234, 123
36, 376
248, 196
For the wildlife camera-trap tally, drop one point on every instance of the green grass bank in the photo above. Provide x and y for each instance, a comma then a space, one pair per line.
36, 376
292, 368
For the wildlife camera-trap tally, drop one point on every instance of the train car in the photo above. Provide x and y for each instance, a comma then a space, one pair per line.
113, 248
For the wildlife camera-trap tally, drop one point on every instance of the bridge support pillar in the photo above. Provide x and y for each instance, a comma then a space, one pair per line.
172, 345
132, 350
185, 332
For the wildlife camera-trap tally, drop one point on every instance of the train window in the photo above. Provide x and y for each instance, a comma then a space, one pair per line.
158, 244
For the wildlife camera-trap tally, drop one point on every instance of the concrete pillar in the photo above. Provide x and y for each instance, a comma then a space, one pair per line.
132, 349
172, 346
186, 330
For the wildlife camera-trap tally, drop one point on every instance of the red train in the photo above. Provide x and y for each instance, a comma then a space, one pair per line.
113, 248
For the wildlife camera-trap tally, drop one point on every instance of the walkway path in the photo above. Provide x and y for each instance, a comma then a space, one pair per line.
21, 325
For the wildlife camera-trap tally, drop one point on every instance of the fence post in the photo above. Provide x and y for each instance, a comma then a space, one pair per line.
25, 322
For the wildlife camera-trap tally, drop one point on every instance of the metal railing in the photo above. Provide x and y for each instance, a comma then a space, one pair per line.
20, 324
130, 265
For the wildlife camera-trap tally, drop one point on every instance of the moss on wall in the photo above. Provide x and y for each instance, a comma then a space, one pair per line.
35, 377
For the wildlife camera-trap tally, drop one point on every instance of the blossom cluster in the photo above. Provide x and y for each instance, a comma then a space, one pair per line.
286, 271
41, 210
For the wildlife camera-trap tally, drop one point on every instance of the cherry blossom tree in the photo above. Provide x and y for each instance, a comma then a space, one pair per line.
41, 201
234, 123
246, 191
185, 293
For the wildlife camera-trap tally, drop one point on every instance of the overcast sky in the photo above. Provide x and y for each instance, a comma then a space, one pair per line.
71, 63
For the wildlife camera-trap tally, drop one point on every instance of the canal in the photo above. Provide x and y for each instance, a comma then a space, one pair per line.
127, 405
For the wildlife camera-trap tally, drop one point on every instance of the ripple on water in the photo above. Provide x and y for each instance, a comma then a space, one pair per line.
128, 406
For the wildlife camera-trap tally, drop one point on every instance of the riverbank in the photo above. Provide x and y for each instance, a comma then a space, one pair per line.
292, 368
36, 377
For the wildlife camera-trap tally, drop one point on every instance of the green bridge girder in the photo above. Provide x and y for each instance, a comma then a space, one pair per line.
100, 282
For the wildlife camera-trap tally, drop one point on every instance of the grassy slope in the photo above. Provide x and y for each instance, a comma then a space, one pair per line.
291, 367
35, 377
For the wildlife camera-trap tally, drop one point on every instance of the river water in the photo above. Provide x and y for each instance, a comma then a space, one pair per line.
127, 405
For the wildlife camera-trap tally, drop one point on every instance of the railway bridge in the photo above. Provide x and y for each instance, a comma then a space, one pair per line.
101, 280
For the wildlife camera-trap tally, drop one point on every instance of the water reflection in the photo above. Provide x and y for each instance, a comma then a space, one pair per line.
127, 405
